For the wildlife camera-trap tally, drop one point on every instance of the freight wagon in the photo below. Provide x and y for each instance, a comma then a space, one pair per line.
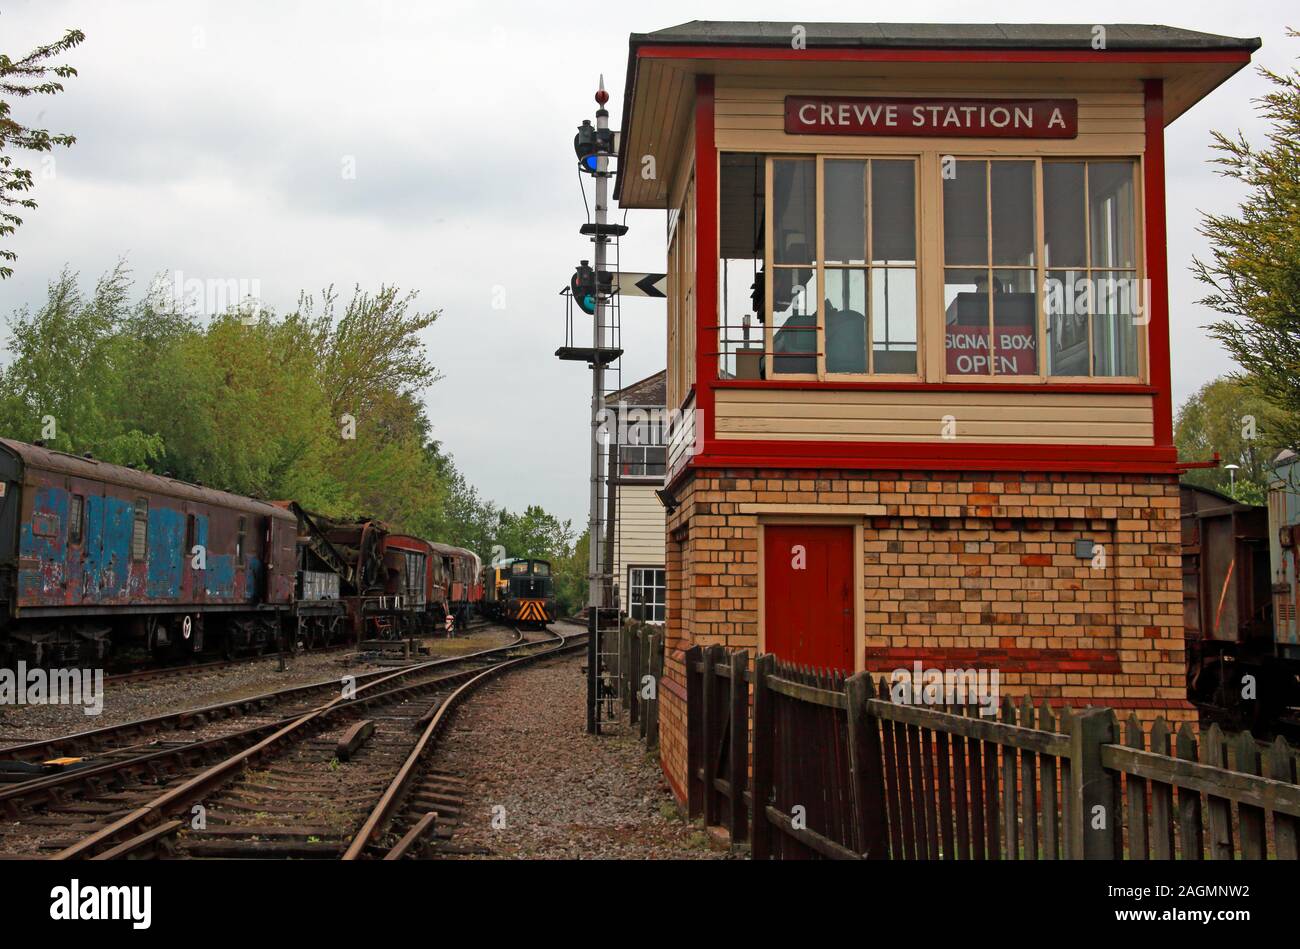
1239, 598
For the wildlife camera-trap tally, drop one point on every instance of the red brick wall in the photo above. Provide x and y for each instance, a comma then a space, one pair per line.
962, 570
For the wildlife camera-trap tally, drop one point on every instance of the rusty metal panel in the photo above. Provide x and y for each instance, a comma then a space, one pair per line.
1284, 516
320, 585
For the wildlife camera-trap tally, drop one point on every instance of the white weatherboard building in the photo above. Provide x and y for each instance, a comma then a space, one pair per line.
639, 523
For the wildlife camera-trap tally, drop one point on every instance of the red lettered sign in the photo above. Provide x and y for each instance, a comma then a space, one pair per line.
1014, 351
941, 118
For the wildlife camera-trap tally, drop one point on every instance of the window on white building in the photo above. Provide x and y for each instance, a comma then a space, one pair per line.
647, 600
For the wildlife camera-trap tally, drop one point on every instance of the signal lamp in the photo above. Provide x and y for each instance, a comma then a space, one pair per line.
583, 287
585, 146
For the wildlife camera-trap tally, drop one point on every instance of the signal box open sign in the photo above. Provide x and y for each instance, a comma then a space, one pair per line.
940, 118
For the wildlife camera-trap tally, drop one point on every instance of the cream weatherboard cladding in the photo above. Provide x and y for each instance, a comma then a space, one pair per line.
993, 416
640, 530
750, 116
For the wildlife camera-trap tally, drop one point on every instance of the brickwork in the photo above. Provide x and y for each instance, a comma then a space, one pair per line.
962, 570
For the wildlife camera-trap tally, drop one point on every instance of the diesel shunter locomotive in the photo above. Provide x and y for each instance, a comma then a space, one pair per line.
519, 591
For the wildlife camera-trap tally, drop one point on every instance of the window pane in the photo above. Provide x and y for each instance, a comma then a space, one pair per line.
846, 212
966, 321
1110, 211
794, 195
1114, 331
1067, 322
794, 318
893, 319
1012, 193
965, 215
741, 229
1015, 319
893, 212
74, 519
140, 530
1064, 227
846, 320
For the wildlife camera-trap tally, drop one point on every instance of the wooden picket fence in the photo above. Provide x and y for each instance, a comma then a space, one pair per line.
641, 652
838, 770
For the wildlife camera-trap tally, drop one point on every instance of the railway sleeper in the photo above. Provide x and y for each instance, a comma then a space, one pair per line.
264, 848
433, 798
280, 808
270, 802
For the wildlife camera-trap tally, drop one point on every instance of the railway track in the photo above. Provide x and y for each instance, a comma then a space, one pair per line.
105, 740
291, 785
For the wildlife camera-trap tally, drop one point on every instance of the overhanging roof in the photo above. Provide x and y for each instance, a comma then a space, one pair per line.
1130, 36
661, 66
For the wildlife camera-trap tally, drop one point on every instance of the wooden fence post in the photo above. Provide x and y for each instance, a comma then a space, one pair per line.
1214, 752
712, 736
868, 788
764, 737
694, 732
632, 665
1191, 843
643, 670
656, 676
1281, 766
739, 764
1092, 787
624, 647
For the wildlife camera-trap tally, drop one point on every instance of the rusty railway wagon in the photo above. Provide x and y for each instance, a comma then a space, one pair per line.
457, 582
97, 557
1239, 596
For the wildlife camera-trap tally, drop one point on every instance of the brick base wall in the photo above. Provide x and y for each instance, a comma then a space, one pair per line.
961, 570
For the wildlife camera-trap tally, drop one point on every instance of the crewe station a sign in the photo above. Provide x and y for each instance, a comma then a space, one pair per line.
897, 115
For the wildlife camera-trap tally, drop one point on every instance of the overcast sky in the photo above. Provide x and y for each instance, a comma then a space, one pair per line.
213, 137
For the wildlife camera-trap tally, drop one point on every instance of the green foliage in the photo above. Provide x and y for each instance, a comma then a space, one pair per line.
1254, 273
533, 534
570, 573
258, 404
1230, 417
30, 75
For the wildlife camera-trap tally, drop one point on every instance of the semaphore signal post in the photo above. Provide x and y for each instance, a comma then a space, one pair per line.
593, 291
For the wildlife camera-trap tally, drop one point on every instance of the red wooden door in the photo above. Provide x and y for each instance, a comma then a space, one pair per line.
808, 594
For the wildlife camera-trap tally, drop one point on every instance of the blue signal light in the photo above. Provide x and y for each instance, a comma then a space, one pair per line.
590, 162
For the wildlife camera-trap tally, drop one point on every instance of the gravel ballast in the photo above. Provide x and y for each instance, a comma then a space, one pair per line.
522, 747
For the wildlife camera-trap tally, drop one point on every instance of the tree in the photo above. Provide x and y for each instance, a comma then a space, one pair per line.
1230, 417
257, 406
29, 75
533, 534
571, 577
60, 385
1254, 271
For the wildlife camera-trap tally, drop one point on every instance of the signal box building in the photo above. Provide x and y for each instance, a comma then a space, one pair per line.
918, 321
